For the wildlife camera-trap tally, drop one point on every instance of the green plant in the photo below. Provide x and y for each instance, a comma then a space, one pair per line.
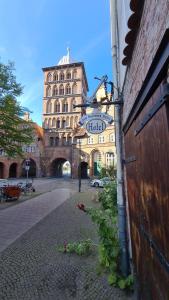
109, 251
80, 248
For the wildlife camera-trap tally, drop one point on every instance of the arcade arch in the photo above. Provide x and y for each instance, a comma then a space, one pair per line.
60, 167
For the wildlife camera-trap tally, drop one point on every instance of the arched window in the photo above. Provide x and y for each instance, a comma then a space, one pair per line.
62, 76
48, 91
61, 89
65, 106
69, 140
67, 122
45, 123
49, 77
68, 89
49, 107
51, 141
76, 121
74, 74
57, 106
73, 103
64, 141
74, 88
58, 123
68, 75
109, 159
54, 122
64, 124
49, 123
56, 141
55, 90
55, 77
112, 138
71, 122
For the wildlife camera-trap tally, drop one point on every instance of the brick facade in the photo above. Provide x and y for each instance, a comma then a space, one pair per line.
154, 21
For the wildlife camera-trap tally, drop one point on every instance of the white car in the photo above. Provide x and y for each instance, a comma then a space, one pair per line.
100, 182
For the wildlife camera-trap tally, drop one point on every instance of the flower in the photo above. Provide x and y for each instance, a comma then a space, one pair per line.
81, 206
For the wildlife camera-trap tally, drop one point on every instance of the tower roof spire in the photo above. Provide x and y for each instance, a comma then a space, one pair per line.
66, 59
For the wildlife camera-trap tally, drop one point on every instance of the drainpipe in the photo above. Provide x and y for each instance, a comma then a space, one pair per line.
122, 227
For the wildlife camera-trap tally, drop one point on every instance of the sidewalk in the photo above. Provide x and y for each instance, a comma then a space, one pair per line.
18, 219
33, 269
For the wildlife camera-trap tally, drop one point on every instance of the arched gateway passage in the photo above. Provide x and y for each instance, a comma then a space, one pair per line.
13, 170
60, 167
1, 170
84, 169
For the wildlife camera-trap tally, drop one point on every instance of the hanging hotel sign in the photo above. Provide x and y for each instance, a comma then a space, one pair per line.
95, 126
96, 122
98, 115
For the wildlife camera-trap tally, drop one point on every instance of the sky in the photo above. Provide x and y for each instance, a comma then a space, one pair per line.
36, 33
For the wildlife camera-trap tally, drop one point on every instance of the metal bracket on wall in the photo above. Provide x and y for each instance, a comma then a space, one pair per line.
129, 159
148, 116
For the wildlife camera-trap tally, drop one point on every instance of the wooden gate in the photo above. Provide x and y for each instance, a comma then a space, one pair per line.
146, 137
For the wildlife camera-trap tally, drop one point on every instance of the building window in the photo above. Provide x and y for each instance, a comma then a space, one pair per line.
68, 75
109, 159
68, 89
62, 77
112, 137
56, 141
57, 107
61, 89
74, 74
73, 103
64, 141
79, 141
55, 77
74, 89
49, 77
69, 140
64, 124
101, 139
48, 91
90, 140
65, 107
51, 141
49, 107
58, 124
55, 91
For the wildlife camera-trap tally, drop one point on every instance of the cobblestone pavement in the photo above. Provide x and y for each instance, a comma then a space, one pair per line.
17, 219
32, 268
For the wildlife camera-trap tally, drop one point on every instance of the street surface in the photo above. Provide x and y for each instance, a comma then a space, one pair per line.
31, 266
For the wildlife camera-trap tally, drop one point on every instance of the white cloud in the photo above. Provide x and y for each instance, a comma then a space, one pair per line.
31, 92
92, 45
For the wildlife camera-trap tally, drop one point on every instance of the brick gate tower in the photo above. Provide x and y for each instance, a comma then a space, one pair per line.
64, 85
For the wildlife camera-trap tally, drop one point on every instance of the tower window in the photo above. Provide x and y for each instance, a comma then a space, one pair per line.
62, 77
49, 77
68, 75
61, 89
68, 89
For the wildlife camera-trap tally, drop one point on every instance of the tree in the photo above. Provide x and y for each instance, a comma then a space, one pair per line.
14, 131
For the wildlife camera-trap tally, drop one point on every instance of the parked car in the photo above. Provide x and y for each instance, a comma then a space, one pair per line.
101, 182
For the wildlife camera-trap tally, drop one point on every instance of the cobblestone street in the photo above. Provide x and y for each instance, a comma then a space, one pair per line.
32, 268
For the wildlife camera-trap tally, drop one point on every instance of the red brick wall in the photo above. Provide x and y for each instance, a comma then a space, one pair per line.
155, 20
